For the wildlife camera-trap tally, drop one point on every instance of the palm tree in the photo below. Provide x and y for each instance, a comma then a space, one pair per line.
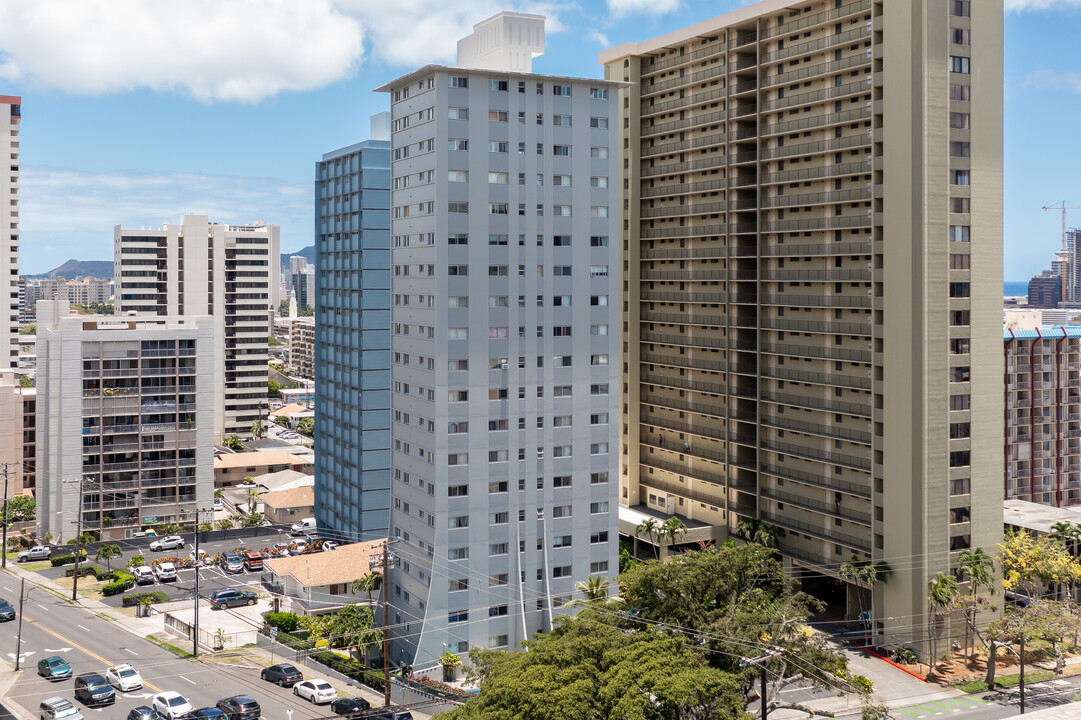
253, 499
754, 530
865, 573
594, 588
367, 583
107, 553
258, 429
943, 591
649, 528
671, 529
980, 568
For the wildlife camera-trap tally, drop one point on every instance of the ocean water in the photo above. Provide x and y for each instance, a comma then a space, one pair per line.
1012, 288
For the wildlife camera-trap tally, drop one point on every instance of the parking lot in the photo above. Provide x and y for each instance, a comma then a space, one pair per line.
211, 578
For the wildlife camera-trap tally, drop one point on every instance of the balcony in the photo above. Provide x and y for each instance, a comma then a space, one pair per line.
862, 490
831, 509
851, 541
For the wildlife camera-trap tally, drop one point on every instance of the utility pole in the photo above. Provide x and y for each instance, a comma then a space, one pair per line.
1021, 684
78, 546
19, 637
4, 557
762, 662
198, 562
373, 564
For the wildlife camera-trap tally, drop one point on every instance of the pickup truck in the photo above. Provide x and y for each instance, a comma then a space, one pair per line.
38, 552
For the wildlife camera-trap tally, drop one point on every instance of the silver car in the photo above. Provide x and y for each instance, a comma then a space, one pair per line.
57, 708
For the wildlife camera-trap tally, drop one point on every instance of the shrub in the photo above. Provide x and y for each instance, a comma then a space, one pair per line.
904, 655
121, 581
99, 573
348, 667
136, 561
285, 621
66, 559
137, 598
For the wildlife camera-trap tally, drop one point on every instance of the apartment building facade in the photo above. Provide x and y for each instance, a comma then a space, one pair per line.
352, 340
229, 272
139, 451
814, 243
1043, 415
503, 362
302, 348
10, 120
17, 408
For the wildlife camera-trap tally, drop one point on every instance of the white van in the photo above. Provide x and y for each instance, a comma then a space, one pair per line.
304, 526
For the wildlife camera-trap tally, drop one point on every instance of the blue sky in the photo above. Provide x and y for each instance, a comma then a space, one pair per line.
136, 111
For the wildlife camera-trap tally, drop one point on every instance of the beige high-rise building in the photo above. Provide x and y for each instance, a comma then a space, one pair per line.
230, 272
813, 287
302, 348
10, 117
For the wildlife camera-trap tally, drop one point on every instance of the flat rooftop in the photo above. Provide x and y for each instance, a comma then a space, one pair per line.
1036, 517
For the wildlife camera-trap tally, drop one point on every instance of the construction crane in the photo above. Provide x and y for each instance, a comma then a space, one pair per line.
1063, 254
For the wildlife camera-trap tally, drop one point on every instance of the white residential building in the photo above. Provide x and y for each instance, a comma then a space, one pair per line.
10, 116
125, 408
504, 359
230, 272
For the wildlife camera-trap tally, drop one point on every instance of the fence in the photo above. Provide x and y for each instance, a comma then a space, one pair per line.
210, 640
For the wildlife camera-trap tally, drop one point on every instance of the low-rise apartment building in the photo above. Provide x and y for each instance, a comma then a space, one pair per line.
319, 583
231, 468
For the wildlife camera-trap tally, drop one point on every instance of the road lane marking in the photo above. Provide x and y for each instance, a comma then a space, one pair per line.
186, 680
82, 628
130, 651
99, 658
42, 607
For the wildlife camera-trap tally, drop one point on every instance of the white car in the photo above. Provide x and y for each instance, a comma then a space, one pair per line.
169, 542
329, 544
171, 704
317, 691
124, 677
143, 575
165, 572
217, 504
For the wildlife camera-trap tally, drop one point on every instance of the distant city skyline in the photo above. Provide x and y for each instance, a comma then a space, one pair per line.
121, 133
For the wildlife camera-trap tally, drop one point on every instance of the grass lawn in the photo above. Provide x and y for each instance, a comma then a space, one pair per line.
36, 566
1005, 681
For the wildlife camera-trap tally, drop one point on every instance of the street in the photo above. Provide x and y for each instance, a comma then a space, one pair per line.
52, 626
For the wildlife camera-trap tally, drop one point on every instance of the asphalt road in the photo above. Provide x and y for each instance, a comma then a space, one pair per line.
88, 642
210, 578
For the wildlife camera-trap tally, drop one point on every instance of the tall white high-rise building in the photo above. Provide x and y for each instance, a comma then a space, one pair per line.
10, 116
230, 272
124, 411
504, 354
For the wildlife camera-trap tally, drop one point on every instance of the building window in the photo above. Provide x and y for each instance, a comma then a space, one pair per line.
959, 36
497, 146
598, 508
960, 8
598, 567
562, 571
598, 537
960, 205
959, 177
561, 90
561, 150
458, 82
458, 144
598, 449
598, 152
599, 181
456, 113
959, 149
458, 616
959, 64
959, 233
458, 176
497, 116
599, 122
460, 208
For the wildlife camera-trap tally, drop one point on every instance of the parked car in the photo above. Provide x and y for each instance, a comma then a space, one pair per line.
284, 674
58, 708
298, 547
124, 677
231, 597
304, 526
171, 704
203, 556
280, 549
6, 611
208, 713
93, 689
143, 575
217, 504
349, 705
253, 560
329, 545
240, 707
165, 572
144, 712
317, 691
38, 552
169, 542
230, 562
54, 668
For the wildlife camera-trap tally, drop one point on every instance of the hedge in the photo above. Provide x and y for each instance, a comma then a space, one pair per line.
286, 622
66, 559
348, 667
121, 581
99, 573
137, 598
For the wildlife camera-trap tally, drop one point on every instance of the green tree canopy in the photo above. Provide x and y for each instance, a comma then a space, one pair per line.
306, 426
233, 442
107, 553
588, 669
21, 508
273, 387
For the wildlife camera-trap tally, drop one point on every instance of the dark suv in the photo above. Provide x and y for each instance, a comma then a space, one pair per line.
230, 597
240, 707
94, 689
285, 675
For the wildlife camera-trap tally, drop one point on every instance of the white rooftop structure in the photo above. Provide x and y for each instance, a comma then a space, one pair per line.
506, 42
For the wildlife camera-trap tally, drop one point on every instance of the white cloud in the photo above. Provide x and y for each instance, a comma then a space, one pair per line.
1049, 79
623, 8
236, 50
1020, 5
70, 213
598, 37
